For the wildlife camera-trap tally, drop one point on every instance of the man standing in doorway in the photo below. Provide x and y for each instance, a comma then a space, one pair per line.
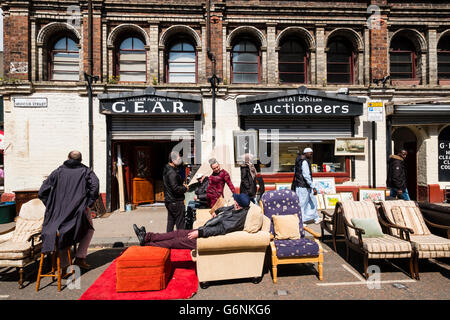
396, 176
302, 185
67, 194
174, 190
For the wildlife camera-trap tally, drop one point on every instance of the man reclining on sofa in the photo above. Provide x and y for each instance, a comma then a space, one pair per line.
225, 220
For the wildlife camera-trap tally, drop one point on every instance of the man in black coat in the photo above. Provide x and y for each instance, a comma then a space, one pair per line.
225, 220
67, 193
396, 175
174, 190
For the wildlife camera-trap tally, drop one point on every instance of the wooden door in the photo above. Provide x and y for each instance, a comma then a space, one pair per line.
143, 189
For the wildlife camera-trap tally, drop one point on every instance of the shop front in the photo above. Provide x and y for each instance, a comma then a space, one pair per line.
143, 127
422, 129
295, 119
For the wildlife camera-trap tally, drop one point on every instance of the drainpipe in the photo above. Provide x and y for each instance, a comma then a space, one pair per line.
214, 80
88, 78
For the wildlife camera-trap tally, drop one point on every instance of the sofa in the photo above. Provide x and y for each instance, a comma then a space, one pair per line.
235, 255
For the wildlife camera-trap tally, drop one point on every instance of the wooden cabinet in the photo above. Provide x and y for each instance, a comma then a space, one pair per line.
23, 196
143, 190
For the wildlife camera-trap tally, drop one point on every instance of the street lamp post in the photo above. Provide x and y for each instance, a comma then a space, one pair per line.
89, 78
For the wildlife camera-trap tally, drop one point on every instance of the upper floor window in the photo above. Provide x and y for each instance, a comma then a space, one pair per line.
444, 58
131, 60
340, 61
293, 61
64, 60
181, 66
245, 62
402, 59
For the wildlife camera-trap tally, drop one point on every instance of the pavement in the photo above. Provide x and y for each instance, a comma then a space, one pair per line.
342, 279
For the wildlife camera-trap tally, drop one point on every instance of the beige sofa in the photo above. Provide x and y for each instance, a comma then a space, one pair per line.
235, 255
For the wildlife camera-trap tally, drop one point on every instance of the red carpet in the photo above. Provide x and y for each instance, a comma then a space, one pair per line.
182, 285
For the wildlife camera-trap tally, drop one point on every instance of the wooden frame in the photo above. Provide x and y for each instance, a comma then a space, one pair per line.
331, 200
359, 247
324, 185
320, 201
347, 195
366, 193
307, 259
333, 224
239, 138
354, 146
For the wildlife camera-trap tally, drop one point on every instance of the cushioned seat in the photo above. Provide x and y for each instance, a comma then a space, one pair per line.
16, 250
385, 247
143, 269
431, 246
296, 248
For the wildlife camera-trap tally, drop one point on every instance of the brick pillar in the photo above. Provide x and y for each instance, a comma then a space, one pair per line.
272, 61
16, 24
96, 44
379, 50
320, 55
153, 55
432, 56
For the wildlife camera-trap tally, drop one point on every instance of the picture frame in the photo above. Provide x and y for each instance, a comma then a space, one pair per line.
245, 142
354, 146
320, 201
370, 194
282, 186
324, 185
346, 196
331, 200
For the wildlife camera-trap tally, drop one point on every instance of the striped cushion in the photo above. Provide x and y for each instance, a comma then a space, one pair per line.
25, 228
386, 246
407, 214
431, 246
358, 209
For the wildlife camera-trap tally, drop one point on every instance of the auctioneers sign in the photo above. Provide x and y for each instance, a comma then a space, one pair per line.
299, 105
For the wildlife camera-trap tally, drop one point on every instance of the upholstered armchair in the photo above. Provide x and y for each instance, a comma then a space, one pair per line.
22, 246
290, 250
235, 255
331, 222
377, 245
425, 245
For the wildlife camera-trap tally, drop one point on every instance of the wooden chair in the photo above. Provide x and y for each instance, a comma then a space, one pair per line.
385, 247
303, 250
20, 247
56, 266
407, 215
332, 223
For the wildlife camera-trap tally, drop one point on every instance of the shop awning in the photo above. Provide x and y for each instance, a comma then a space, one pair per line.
301, 102
150, 102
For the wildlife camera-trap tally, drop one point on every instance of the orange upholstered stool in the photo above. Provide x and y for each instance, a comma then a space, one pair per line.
143, 269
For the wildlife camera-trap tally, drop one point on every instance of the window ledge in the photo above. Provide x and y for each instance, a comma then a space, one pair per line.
405, 82
444, 82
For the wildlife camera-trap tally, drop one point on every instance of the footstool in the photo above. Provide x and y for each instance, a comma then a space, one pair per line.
143, 269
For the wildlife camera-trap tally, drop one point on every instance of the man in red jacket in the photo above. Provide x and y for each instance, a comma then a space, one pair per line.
217, 182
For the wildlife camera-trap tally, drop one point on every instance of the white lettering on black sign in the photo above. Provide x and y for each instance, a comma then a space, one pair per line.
444, 160
291, 108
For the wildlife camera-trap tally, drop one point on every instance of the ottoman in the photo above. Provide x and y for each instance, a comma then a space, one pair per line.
143, 269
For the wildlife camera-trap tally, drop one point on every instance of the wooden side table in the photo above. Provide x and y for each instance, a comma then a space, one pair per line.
23, 196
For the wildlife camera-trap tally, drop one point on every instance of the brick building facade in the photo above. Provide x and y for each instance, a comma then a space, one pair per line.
259, 48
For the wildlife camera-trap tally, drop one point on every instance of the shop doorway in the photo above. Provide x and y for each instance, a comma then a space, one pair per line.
404, 138
142, 170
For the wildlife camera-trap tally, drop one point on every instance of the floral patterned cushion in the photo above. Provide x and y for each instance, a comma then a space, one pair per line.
282, 202
296, 248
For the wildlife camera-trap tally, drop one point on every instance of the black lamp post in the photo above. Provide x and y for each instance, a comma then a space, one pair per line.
88, 78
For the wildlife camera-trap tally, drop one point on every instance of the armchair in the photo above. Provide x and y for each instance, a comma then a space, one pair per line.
331, 222
407, 215
381, 247
235, 255
22, 246
290, 251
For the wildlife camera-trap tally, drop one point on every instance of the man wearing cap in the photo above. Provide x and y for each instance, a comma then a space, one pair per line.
226, 220
302, 185
199, 201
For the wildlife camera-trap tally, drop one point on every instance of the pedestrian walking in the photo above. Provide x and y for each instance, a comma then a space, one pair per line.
67, 194
397, 175
174, 190
302, 185
217, 181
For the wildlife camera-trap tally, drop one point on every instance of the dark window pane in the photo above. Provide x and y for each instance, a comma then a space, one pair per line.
444, 57
401, 68
245, 78
291, 67
245, 67
338, 68
338, 78
292, 57
444, 67
401, 57
292, 77
245, 57
402, 44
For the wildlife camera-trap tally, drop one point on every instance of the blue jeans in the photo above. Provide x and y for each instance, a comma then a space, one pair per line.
404, 196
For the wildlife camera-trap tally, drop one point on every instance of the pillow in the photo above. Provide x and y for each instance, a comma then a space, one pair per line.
371, 227
398, 216
219, 204
254, 219
286, 226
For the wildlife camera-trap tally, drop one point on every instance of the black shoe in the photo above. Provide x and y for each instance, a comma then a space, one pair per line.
140, 233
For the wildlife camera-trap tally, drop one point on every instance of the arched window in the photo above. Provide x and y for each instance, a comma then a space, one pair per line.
340, 61
131, 60
444, 58
245, 62
293, 61
64, 60
403, 59
181, 66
